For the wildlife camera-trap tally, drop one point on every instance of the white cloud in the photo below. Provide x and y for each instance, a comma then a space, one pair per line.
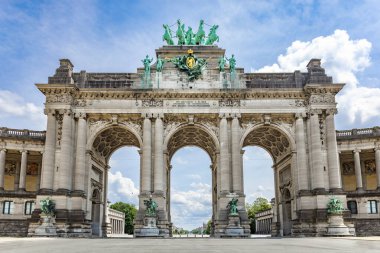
12, 105
180, 160
122, 188
191, 208
342, 57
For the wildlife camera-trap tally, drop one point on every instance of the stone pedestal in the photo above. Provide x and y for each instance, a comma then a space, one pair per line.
150, 227
234, 228
336, 226
47, 227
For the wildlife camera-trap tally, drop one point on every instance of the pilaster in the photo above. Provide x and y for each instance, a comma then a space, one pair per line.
2, 167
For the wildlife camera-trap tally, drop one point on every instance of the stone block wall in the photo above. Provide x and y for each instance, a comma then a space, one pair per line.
367, 227
10, 227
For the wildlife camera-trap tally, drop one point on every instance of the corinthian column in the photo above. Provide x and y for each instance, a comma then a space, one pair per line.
48, 158
303, 172
236, 156
65, 170
224, 156
2, 167
316, 152
332, 152
377, 157
80, 163
24, 161
147, 156
358, 170
158, 155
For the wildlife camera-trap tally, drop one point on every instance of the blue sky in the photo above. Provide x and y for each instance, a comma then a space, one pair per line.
113, 36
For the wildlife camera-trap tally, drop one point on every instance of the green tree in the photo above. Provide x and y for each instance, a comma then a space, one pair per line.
259, 205
208, 228
130, 214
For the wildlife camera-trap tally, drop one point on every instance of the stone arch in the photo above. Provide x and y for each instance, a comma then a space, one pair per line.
273, 138
192, 135
109, 138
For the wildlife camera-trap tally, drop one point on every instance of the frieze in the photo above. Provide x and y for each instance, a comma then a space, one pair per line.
152, 103
327, 98
190, 103
59, 98
229, 103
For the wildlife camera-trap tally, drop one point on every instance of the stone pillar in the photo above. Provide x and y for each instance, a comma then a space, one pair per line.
158, 155
377, 158
236, 156
332, 152
2, 167
224, 155
48, 158
65, 170
24, 161
316, 152
358, 170
146, 174
80, 162
303, 172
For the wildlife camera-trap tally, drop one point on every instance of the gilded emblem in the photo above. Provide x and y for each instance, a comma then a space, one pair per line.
190, 64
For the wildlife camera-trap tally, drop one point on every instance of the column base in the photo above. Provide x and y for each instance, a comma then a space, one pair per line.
360, 189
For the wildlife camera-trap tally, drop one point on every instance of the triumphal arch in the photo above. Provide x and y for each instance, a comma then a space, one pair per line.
194, 94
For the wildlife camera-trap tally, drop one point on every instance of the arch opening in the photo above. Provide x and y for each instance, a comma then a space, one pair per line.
276, 145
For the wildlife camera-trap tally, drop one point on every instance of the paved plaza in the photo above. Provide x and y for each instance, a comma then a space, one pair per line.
199, 245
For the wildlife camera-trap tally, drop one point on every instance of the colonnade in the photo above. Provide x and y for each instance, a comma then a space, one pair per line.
263, 226
117, 226
23, 167
358, 168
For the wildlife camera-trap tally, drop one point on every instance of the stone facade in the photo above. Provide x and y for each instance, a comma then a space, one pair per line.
90, 115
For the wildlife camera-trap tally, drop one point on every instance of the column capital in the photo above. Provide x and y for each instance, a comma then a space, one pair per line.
68, 112
23, 151
158, 115
3, 150
146, 115
315, 111
377, 148
80, 115
235, 115
49, 111
331, 111
356, 150
300, 115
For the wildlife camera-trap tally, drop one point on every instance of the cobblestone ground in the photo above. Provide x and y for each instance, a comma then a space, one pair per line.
199, 245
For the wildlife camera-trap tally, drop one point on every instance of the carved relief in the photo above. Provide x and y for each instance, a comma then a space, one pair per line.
327, 98
134, 124
170, 127
370, 167
59, 98
10, 168
229, 103
59, 118
152, 103
348, 168
32, 169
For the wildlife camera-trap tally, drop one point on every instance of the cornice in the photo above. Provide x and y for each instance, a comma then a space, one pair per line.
323, 88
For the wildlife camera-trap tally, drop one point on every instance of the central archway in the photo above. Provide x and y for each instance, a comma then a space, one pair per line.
103, 143
280, 145
198, 136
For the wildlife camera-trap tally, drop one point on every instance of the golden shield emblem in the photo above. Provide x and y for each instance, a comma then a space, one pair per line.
190, 62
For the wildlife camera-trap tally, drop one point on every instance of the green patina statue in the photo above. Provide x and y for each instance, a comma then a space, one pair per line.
232, 205
168, 35
200, 35
190, 64
151, 207
160, 64
335, 206
212, 37
181, 33
147, 61
232, 63
47, 207
190, 39
221, 63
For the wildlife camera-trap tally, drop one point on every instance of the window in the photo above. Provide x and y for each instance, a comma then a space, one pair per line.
8, 207
352, 206
29, 207
372, 206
